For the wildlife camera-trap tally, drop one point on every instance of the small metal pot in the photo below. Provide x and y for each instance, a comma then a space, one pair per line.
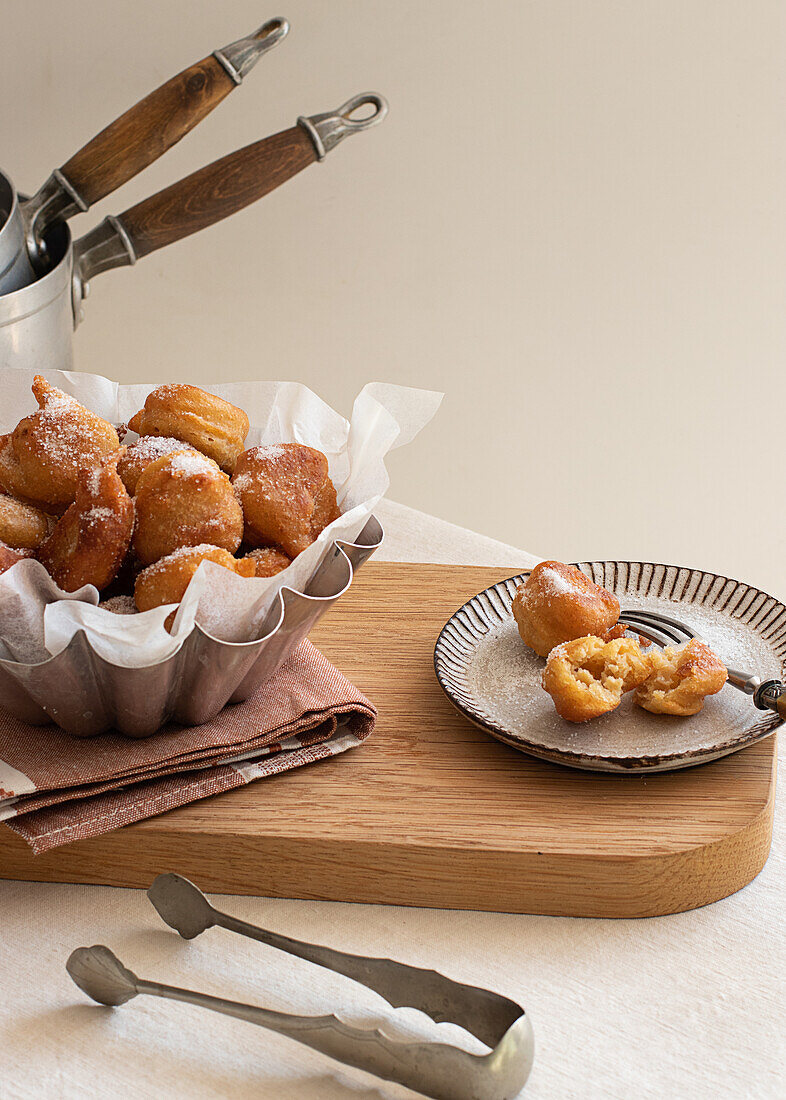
119, 152
37, 321
15, 267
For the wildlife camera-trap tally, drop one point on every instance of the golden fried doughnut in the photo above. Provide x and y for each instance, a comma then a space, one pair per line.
46, 450
268, 561
167, 579
207, 422
587, 677
21, 525
287, 495
10, 556
185, 499
140, 454
88, 544
558, 603
12, 479
10, 473
681, 678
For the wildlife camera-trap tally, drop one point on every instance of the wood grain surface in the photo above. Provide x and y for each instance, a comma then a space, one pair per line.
432, 811
218, 190
145, 131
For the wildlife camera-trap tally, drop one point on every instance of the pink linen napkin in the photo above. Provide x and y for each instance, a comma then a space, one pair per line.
55, 788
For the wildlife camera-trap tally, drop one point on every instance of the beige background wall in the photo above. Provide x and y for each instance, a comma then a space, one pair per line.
572, 222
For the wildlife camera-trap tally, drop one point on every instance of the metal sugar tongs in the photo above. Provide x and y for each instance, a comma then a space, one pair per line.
438, 1070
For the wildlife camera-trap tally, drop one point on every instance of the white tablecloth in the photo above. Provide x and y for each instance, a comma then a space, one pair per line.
690, 1005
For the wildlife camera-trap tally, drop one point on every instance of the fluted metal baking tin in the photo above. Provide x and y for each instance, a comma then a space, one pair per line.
87, 695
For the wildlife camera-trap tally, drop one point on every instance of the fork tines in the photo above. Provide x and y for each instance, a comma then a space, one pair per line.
658, 628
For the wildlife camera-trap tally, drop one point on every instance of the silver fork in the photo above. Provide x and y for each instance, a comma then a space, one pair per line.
663, 630
435, 1069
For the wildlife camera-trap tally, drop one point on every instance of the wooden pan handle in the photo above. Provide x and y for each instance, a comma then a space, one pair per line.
215, 192
147, 130
161, 119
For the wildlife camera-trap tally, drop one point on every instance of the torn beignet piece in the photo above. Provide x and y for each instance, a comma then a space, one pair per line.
681, 678
587, 677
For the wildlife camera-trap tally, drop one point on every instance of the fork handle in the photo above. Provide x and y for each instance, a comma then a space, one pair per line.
771, 695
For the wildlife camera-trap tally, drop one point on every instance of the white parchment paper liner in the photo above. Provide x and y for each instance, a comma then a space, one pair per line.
38, 620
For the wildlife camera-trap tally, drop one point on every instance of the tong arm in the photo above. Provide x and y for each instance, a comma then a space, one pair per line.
438, 1070
484, 1014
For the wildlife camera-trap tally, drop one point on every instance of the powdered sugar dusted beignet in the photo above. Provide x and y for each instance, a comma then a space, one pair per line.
681, 679
88, 544
139, 455
22, 525
287, 495
558, 603
166, 581
209, 423
185, 499
41, 459
268, 561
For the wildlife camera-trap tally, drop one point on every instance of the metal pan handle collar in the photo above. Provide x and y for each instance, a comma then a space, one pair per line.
239, 58
328, 129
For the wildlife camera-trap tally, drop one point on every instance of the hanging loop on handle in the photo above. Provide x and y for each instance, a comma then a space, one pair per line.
238, 58
328, 129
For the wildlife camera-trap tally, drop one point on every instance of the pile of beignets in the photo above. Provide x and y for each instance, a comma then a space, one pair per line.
141, 518
591, 663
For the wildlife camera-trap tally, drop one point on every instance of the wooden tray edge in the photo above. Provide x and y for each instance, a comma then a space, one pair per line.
406, 875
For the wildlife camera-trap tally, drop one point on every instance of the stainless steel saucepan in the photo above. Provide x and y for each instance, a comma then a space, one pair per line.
119, 152
37, 321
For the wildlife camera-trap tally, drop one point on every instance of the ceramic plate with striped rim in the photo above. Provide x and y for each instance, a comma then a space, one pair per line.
494, 679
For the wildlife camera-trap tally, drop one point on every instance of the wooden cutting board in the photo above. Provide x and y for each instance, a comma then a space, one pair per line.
432, 811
